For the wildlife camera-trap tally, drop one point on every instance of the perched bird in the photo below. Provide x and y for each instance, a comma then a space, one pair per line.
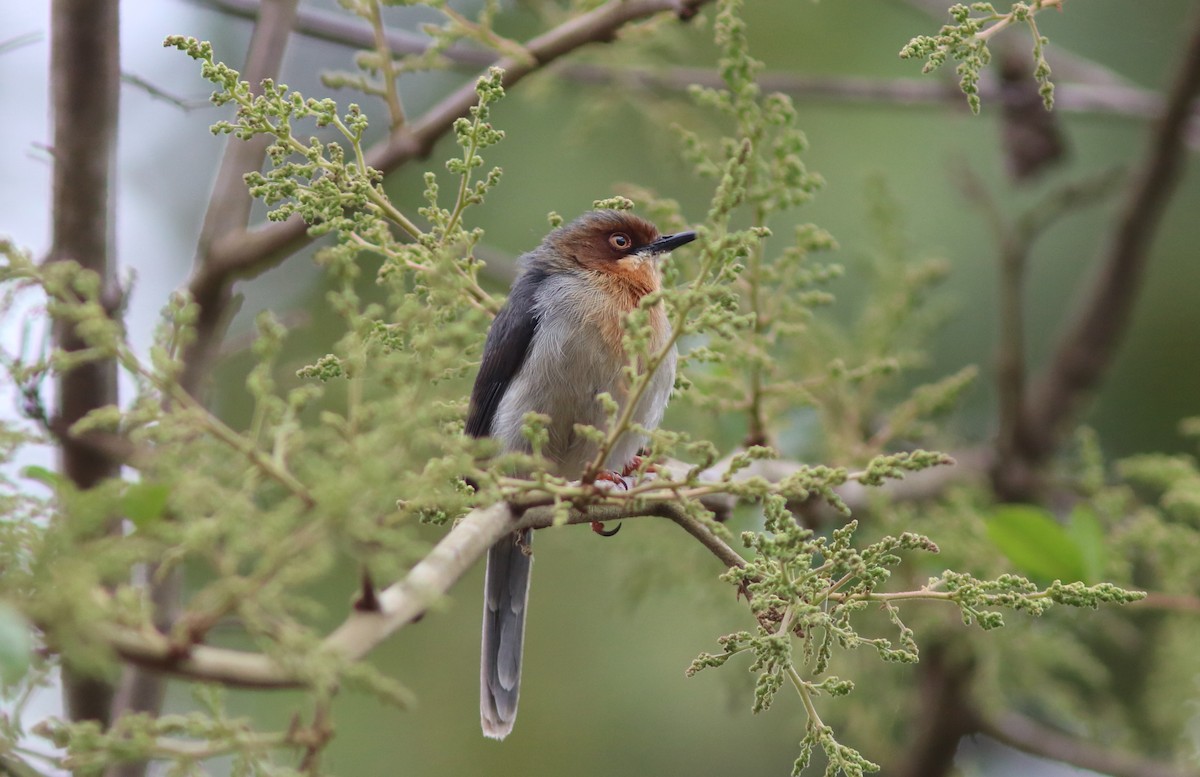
554, 346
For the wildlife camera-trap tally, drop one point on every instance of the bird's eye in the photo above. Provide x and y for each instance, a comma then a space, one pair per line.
620, 241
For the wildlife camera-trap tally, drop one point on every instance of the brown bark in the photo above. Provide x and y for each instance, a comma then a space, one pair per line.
84, 81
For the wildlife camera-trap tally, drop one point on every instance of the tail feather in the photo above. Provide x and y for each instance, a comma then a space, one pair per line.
506, 592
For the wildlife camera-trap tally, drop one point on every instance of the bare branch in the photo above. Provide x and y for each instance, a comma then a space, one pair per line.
18, 41
1086, 349
1030, 736
85, 79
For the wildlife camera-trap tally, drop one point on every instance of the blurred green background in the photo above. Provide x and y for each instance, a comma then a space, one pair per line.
612, 629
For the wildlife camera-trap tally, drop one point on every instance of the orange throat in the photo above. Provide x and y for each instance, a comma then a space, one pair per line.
622, 288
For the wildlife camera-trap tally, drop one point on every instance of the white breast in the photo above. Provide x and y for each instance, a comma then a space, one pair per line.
567, 366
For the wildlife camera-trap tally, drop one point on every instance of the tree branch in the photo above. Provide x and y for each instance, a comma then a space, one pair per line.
1012, 478
1086, 349
1035, 738
85, 79
398, 605
345, 30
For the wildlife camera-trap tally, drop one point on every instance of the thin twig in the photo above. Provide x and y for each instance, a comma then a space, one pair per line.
19, 41
1007, 19
318, 736
159, 93
387, 67
1162, 600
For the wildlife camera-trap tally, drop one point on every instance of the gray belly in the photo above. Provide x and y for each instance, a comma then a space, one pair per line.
565, 370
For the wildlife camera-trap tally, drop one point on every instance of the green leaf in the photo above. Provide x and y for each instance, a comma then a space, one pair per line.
1088, 536
144, 503
1037, 545
15, 645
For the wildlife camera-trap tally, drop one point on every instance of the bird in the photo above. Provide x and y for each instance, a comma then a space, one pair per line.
554, 346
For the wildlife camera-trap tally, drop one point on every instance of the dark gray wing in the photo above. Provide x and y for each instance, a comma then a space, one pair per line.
504, 352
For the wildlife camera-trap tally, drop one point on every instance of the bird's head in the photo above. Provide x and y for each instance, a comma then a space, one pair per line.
611, 242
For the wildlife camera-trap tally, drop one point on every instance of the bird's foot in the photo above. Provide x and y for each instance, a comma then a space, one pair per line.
608, 480
637, 463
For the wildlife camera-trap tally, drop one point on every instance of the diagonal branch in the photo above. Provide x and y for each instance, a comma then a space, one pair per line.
397, 605
1086, 349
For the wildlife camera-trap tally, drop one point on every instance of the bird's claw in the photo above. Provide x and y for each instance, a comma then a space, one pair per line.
598, 527
613, 479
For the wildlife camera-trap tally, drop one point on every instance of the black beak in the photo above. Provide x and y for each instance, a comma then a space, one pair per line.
667, 243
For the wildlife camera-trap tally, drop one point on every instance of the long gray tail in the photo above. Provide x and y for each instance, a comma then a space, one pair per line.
505, 594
